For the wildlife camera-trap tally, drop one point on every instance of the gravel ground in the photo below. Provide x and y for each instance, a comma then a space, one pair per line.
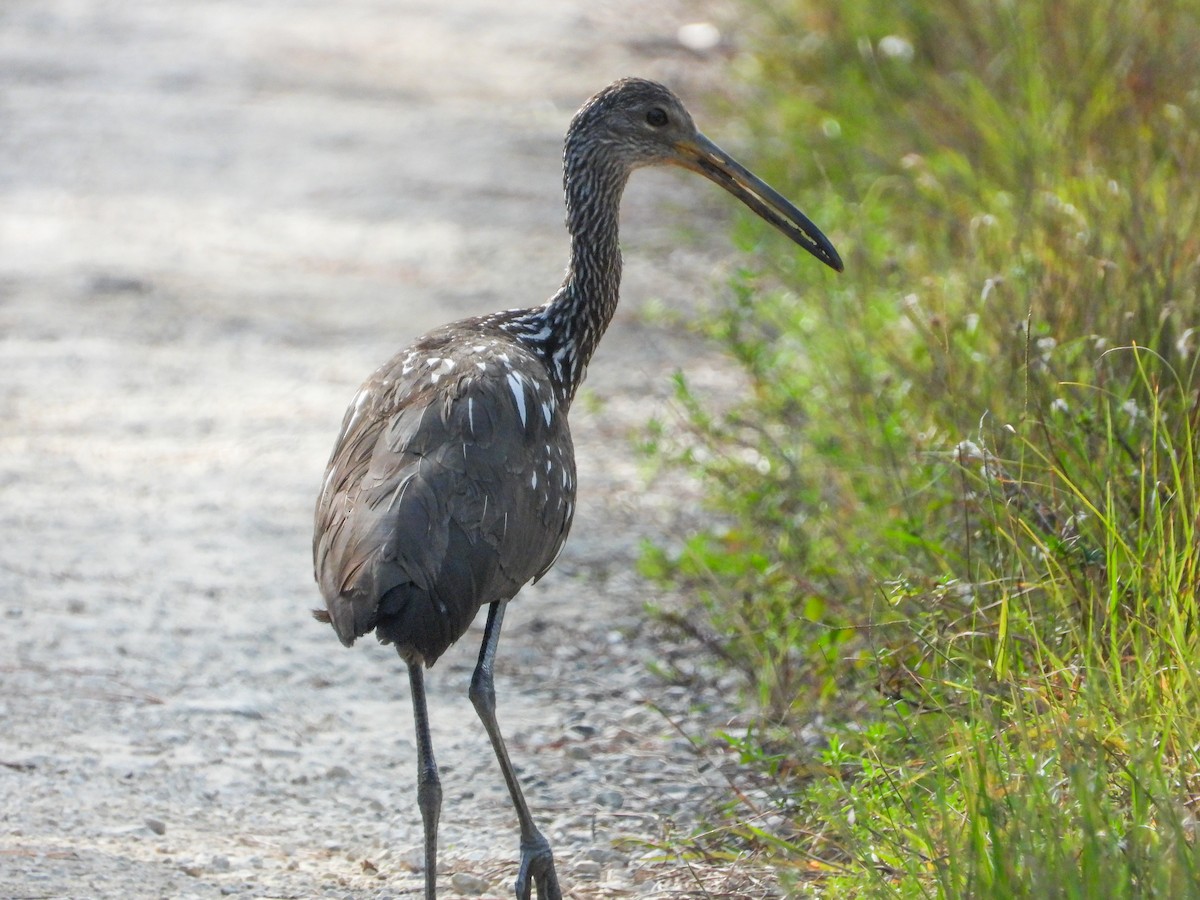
215, 219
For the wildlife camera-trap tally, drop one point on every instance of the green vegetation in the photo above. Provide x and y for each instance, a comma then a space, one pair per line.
960, 510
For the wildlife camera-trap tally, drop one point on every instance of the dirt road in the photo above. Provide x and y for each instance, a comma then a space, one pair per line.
215, 219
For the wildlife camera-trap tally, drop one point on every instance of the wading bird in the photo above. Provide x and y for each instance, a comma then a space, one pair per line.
452, 482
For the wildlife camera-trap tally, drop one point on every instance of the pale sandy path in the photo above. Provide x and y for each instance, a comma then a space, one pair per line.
215, 219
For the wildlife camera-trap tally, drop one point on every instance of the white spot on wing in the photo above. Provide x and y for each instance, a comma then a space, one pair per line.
548, 411
441, 366
518, 391
471, 415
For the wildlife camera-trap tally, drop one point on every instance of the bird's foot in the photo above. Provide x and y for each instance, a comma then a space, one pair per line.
537, 868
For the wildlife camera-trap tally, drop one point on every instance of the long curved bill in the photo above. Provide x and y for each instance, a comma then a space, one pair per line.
703, 156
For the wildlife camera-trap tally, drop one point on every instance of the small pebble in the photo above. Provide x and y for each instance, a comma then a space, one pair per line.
699, 37
471, 885
412, 858
604, 855
587, 869
157, 826
610, 799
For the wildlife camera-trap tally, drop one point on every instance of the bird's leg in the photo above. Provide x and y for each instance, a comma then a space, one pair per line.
537, 861
429, 786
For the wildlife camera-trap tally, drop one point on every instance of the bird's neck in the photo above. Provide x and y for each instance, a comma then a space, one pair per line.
567, 329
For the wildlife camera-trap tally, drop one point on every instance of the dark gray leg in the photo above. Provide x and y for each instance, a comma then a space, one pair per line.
429, 786
537, 862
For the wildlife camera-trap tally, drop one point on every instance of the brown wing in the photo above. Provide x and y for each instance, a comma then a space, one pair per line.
451, 485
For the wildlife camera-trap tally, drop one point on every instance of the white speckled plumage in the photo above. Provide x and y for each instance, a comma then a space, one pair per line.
452, 481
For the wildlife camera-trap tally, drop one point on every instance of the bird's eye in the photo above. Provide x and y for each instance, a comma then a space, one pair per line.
657, 117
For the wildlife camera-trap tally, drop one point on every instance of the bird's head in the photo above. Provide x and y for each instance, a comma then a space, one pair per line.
634, 122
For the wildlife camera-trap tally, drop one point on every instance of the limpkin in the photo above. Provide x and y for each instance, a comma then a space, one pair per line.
452, 482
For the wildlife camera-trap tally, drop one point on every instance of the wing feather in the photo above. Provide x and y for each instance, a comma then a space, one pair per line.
442, 495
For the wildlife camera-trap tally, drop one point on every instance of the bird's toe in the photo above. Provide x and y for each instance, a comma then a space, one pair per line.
537, 870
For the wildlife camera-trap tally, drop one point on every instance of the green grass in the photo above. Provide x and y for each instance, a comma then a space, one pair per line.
960, 509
